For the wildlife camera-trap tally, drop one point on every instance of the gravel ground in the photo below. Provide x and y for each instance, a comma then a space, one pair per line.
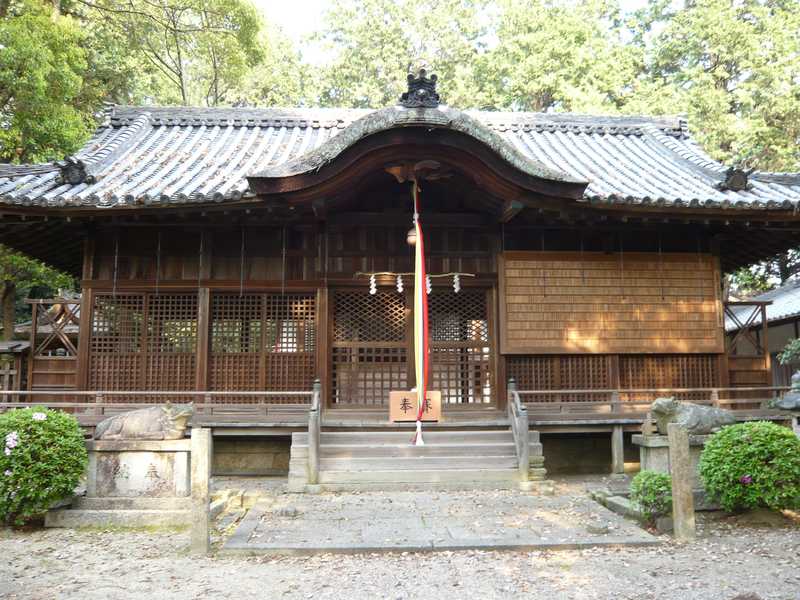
733, 555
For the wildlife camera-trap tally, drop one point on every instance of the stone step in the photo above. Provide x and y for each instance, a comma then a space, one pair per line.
460, 476
84, 503
404, 437
392, 486
416, 463
76, 518
398, 450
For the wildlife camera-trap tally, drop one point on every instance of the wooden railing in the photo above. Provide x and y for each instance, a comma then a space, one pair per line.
633, 404
91, 407
746, 323
518, 417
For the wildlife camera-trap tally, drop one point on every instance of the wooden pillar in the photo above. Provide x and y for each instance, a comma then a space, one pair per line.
203, 327
203, 313
84, 338
86, 313
32, 351
323, 346
765, 343
497, 360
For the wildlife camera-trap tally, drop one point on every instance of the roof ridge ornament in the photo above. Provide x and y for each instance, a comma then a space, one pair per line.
735, 180
74, 171
421, 91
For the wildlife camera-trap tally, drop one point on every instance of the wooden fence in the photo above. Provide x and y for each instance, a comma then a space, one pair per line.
210, 408
632, 405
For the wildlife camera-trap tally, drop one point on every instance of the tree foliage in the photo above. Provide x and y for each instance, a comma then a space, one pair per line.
373, 44
45, 104
20, 274
197, 50
560, 56
733, 68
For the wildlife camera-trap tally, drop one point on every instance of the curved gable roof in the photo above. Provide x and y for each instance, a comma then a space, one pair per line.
177, 155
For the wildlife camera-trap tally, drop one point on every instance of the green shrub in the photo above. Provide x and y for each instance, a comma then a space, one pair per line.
43, 458
748, 465
652, 493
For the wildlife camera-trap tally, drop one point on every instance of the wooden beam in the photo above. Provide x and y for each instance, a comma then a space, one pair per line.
320, 208
380, 219
85, 338
510, 209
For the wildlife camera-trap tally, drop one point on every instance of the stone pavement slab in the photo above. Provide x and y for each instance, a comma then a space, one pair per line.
428, 521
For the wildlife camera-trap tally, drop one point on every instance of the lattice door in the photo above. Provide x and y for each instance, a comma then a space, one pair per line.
372, 346
460, 346
369, 347
262, 342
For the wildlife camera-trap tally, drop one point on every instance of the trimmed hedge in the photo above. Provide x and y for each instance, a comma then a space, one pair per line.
652, 493
749, 465
43, 458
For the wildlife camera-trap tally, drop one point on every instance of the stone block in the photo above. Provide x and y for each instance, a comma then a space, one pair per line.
247, 456
132, 483
654, 454
134, 518
249, 499
136, 469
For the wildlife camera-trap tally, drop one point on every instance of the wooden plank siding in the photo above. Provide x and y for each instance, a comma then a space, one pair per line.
616, 303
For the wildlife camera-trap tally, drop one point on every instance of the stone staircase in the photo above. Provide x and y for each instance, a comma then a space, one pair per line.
386, 460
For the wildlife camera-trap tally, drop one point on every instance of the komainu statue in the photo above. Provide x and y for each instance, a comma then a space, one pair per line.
166, 422
695, 418
791, 399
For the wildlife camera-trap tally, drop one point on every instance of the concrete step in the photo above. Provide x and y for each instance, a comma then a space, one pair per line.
417, 463
459, 476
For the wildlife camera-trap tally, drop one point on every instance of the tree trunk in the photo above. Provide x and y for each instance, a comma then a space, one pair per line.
9, 309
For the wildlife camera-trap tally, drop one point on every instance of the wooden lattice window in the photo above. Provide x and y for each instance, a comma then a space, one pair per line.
670, 371
362, 317
143, 342
262, 342
560, 372
171, 342
116, 342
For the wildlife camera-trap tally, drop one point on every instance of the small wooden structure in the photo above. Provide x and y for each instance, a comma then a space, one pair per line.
224, 257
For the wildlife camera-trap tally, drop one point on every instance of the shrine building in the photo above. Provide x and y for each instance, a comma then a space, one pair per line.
232, 256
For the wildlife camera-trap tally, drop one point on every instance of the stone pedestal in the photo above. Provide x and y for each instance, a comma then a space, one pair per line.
132, 483
138, 469
654, 456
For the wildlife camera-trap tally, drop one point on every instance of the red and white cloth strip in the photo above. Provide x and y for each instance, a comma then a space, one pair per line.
421, 355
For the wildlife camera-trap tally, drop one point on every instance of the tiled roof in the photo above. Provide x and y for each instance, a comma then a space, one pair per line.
162, 155
785, 304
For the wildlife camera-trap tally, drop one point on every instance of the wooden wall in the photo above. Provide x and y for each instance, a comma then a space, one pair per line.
306, 252
594, 302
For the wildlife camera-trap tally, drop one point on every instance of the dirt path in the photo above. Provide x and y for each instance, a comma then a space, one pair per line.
732, 556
